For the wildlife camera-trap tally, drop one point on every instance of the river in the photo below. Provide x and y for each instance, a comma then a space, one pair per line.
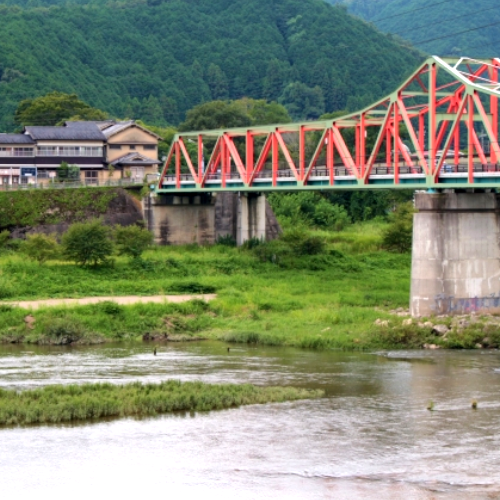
370, 437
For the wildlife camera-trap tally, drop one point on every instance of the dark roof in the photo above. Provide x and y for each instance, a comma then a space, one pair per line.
16, 139
134, 159
79, 131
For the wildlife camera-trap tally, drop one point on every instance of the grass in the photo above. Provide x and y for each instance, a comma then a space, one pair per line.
56, 404
327, 300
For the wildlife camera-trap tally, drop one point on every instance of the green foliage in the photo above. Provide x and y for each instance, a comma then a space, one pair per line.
132, 240
409, 19
397, 236
308, 208
215, 115
55, 108
117, 57
303, 102
4, 238
226, 240
41, 247
87, 243
53, 206
68, 173
57, 403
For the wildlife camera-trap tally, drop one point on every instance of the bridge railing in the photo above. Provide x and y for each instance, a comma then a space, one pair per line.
71, 185
323, 171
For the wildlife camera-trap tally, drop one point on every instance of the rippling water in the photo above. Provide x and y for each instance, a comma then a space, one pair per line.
371, 437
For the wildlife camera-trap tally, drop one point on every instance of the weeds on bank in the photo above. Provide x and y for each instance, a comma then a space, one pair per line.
300, 290
54, 404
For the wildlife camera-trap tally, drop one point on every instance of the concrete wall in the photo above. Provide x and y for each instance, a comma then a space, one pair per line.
202, 219
456, 254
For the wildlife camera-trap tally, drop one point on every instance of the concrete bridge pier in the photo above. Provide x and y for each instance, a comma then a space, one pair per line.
456, 254
204, 218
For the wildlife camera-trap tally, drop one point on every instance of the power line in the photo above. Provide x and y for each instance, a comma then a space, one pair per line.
457, 33
410, 11
445, 20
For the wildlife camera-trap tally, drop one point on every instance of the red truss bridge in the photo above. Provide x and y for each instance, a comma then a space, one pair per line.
439, 129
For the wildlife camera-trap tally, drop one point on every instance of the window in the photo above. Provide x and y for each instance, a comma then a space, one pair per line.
69, 151
149, 147
91, 176
137, 173
114, 146
16, 151
47, 151
132, 146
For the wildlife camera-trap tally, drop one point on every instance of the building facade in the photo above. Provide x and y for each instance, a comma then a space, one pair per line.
100, 151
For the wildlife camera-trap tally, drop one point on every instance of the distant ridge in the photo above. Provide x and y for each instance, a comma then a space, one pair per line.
154, 59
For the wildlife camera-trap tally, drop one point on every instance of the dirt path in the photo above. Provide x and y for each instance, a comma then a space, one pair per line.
126, 300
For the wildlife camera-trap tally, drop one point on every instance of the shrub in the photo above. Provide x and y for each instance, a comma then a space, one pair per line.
41, 247
226, 240
87, 243
132, 240
397, 237
4, 238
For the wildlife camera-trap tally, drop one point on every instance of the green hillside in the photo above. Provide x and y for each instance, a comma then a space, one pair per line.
444, 27
154, 59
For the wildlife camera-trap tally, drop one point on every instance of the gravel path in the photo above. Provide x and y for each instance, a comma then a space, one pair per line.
126, 300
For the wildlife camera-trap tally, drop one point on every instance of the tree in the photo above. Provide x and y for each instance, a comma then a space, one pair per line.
54, 108
68, 173
132, 240
215, 115
217, 82
397, 236
262, 112
87, 243
303, 102
41, 247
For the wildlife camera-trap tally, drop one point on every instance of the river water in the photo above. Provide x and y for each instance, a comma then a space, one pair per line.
370, 437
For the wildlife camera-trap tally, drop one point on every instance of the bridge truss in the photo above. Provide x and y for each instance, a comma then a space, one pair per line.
439, 129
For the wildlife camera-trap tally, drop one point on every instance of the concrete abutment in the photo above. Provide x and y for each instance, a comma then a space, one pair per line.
456, 254
203, 219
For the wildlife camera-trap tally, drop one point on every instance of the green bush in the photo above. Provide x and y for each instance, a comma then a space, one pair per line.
41, 247
397, 237
87, 243
4, 238
132, 240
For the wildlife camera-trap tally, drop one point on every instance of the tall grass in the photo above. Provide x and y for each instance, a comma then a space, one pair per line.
54, 404
325, 300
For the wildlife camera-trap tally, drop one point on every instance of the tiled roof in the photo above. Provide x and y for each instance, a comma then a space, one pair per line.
119, 126
79, 131
16, 139
134, 159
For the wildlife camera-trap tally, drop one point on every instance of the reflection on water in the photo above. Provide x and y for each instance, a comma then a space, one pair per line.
371, 437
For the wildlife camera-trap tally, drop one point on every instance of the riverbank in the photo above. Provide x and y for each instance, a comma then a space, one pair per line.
337, 295
57, 403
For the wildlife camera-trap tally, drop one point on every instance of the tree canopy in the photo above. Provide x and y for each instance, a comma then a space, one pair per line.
239, 113
154, 60
54, 108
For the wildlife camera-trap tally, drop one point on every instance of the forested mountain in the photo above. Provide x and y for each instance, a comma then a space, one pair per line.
442, 27
155, 59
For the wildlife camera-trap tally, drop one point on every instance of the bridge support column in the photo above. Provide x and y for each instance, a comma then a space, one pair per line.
203, 219
456, 254
180, 220
251, 222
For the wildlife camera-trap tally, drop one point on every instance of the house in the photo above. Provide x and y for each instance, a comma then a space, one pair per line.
102, 151
16, 151
80, 144
131, 149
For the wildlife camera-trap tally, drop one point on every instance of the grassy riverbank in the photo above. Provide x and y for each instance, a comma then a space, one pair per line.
275, 294
55, 404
